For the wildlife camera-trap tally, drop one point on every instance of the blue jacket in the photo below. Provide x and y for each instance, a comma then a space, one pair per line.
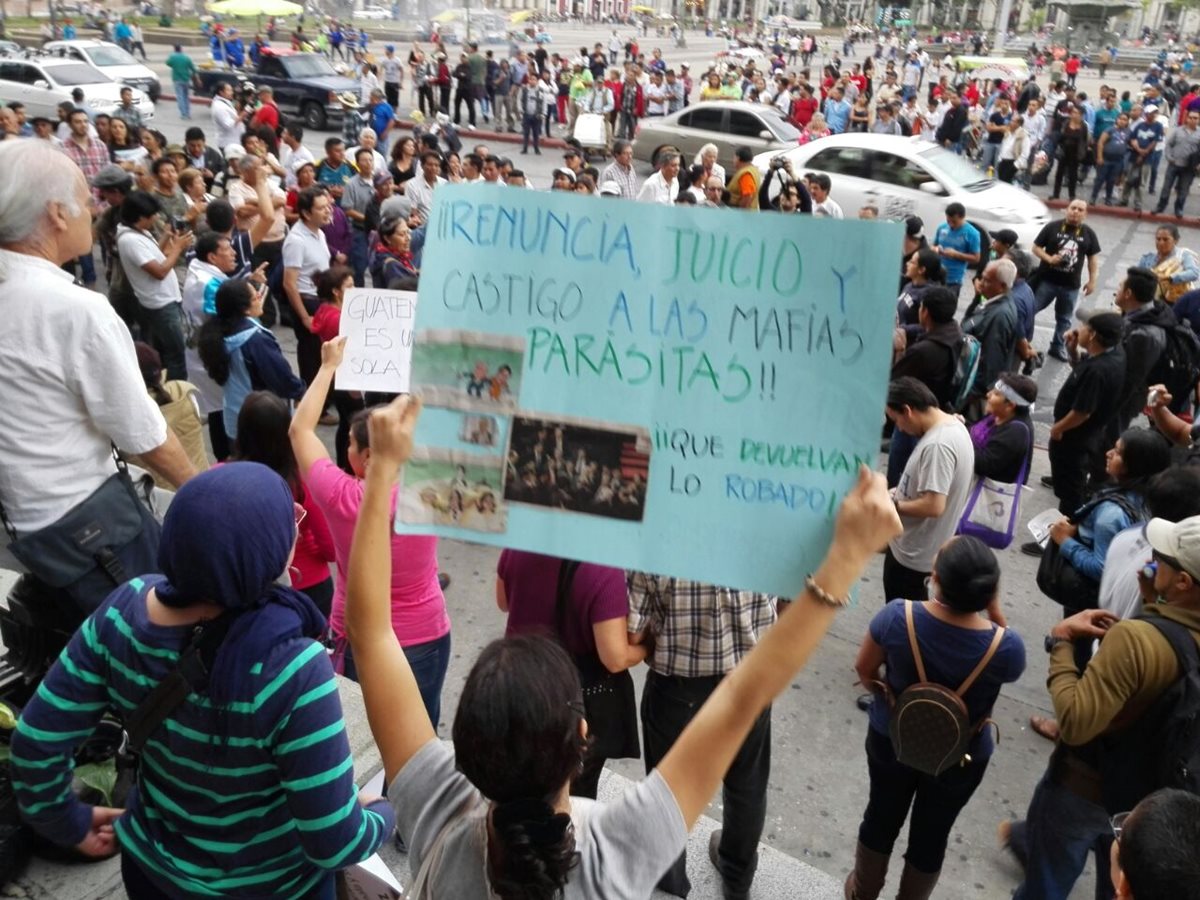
255, 364
1087, 551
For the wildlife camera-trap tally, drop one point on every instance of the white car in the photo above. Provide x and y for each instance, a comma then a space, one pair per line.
113, 61
43, 82
371, 12
905, 176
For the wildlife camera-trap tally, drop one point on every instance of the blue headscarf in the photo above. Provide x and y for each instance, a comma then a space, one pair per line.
226, 537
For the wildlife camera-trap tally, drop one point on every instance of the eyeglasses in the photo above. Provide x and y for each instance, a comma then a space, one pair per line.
1117, 823
299, 512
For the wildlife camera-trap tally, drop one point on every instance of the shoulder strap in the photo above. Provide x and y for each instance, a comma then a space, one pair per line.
912, 640
1181, 641
997, 637
189, 675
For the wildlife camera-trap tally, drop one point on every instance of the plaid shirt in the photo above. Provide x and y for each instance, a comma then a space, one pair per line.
91, 159
699, 630
625, 179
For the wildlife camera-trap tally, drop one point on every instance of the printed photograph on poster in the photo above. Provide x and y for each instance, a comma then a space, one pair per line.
578, 465
468, 370
479, 430
446, 487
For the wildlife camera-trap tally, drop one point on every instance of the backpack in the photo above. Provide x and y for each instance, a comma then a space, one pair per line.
929, 725
1178, 368
1161, 749
966, 367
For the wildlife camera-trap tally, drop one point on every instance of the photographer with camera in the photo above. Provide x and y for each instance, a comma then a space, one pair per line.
793, 196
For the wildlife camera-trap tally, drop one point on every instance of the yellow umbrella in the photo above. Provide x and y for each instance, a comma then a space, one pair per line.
644, 9
449, 15
249, 8
521, 15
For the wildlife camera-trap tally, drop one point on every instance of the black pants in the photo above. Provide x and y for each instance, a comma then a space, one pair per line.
308, 345
392, 90
1007, 170
425, 100
668, 705
901, 582
1070, 461
346, 407
444, 98
269, 252
217, 436
1067, 166
321, 594
464, 94
935, 803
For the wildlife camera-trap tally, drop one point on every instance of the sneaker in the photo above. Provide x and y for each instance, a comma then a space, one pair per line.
1060, 353
1031, 548
1047, 481
864, 701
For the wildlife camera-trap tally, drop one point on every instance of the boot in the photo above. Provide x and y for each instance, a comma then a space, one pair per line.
916, 885
870, 871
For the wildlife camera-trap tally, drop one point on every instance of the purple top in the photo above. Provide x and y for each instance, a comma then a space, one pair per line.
337, 233
598, 594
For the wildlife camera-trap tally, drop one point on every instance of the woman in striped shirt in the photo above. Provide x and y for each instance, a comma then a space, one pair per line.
247, 788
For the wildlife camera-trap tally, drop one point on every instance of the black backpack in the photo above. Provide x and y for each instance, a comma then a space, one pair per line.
1161, 749
965, 354
929, 725
1178, 368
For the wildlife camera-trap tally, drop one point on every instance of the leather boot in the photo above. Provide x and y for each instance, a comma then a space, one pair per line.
870, 871
916, 885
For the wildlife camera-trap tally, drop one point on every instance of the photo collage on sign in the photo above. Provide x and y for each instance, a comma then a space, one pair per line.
504, 455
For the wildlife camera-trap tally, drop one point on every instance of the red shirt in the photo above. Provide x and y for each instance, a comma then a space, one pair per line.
1072, 65
326, 321
802, 110
268, 114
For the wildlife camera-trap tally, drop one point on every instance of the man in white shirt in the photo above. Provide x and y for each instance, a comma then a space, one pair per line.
292, 152
656, 95
68, 373
819, 187
663, 185
228, 122
420, 189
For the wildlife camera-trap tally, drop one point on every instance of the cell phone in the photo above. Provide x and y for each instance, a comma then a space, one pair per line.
180, 224
1153, 398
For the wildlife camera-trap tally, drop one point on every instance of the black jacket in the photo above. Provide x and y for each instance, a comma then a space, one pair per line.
1144, 342
995, 324
931, 359
952, 125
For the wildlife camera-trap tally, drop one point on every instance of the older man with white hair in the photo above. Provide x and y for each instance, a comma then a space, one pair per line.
994, 321
70, 380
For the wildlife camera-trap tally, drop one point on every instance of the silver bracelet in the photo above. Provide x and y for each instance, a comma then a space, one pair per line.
823, 595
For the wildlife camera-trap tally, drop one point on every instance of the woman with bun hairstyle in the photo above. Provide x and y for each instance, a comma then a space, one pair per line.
953, 636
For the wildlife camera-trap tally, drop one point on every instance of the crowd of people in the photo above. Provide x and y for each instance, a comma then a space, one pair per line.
275, 562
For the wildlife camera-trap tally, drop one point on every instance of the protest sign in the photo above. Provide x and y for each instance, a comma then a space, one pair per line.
683, 391
378, 327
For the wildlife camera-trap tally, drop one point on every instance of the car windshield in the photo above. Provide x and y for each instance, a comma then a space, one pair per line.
111, 56
308, 66
78, 73
955, 168
784, 130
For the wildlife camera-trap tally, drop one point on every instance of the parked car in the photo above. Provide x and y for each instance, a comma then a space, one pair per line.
115, 62
905, 176
727, 123
43, 82
372, 12
10, 48
305, 84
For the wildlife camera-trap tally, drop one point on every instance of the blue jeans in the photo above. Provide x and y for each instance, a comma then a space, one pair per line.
163, 330
1060, 830
1107, 175
87, 269
358, 256
1180, 177
428, 662
1063, 298
183, 97
899, 451
989, 155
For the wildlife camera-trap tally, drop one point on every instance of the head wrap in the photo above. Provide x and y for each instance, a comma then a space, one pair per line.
226, 538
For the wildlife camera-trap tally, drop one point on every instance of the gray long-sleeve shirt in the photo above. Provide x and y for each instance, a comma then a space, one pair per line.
1182, 144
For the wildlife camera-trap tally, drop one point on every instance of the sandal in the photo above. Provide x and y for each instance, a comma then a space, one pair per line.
1046, 727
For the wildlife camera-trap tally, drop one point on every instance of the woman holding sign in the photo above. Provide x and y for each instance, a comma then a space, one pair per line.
418, 608
494, 815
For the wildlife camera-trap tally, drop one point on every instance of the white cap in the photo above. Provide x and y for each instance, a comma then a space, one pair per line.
1178, 540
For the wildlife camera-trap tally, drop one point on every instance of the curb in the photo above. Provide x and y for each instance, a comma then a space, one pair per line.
1121, 212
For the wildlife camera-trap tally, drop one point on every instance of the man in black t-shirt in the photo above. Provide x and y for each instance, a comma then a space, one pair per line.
1085, 406
1062, 248
997, 126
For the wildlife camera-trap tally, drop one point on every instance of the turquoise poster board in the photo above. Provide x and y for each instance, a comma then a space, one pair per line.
682, 391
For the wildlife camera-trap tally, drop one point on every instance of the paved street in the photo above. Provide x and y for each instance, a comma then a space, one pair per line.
819, 783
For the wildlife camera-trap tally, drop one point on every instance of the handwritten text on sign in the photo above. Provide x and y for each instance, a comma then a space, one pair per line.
378, 326
684, 391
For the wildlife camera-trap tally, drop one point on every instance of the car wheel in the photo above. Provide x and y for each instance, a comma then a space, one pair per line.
314, 116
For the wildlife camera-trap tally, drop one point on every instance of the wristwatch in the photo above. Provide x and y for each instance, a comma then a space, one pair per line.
1051, 642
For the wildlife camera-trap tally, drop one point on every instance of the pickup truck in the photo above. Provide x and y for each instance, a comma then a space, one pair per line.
305, 85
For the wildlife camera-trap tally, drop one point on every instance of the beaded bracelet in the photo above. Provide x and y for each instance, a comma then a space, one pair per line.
823, 595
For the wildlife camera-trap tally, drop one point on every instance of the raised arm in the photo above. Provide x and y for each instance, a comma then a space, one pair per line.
303, 431
695, 765
394, 709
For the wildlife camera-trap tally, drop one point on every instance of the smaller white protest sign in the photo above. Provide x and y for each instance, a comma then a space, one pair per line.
378, 327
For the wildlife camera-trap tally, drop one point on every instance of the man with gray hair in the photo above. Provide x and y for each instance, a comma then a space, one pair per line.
68, 374
992, 319
663, 185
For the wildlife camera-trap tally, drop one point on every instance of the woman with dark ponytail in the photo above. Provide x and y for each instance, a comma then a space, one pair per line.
494, 816
242, 355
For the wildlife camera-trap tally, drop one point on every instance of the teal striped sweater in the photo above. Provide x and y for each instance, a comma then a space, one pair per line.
253, 799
